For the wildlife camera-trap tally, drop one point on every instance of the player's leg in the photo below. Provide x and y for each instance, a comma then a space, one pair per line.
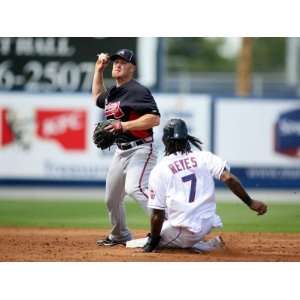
178, 237
171, 237
114, 196
141, 162
210, 245
213, 244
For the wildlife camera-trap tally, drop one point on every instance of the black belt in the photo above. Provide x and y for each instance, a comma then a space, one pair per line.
126, 146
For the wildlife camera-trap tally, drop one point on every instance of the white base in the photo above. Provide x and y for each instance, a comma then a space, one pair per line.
137, 243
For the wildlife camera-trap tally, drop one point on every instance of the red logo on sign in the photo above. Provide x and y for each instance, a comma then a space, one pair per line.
6, 134
67, 127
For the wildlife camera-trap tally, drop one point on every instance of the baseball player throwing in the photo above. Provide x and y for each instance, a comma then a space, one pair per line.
135, 112
182, 193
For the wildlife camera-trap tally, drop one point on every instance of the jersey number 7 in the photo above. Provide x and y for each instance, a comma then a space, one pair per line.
193, 180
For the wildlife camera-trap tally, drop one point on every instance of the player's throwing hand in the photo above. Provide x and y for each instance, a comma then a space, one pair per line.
102, 61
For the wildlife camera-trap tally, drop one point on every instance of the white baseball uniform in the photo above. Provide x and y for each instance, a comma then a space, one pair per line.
183, 186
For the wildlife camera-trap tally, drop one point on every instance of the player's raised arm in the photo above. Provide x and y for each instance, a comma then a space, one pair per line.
98, 86
236, 187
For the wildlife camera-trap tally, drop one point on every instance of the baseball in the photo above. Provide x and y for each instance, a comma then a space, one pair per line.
103, 57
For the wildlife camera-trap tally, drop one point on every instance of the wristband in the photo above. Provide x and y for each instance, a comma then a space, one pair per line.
247, 200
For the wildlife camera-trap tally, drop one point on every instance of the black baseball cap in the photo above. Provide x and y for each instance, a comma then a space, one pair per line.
125, 54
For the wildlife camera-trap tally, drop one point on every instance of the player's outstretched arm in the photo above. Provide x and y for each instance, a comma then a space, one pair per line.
142, 123
236, 187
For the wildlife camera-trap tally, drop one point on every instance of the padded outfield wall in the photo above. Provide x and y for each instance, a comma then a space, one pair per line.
261, 140
46, 139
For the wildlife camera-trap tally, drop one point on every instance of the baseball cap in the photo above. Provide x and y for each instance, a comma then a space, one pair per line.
125, 54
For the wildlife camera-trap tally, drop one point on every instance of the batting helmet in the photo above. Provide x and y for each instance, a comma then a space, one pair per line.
177, 139
175, 129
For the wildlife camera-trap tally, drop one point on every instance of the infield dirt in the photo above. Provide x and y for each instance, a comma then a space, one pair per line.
43, 244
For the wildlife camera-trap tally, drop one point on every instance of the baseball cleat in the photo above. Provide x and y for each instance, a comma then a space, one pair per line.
210, 245
220, 242
109, 242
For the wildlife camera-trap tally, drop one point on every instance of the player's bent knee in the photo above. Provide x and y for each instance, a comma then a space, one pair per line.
113, 202
137, 193
132, 191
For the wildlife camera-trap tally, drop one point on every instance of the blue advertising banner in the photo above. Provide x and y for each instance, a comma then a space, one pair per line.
287, 133
260, 139
274, 178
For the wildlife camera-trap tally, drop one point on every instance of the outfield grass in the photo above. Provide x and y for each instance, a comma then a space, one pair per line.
85, 214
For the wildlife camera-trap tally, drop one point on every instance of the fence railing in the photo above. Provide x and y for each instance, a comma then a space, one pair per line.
263, 84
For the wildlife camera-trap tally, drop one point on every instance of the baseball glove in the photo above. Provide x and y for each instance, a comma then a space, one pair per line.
106, 132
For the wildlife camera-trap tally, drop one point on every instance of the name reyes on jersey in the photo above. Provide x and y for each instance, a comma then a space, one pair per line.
113, 109
183, 164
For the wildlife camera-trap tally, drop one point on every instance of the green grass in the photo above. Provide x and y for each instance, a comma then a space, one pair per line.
279, 218
85, 214
55, 213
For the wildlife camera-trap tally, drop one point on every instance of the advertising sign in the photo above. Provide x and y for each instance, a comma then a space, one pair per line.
66, 64
260, 139
48, 137
287, 133
195, 110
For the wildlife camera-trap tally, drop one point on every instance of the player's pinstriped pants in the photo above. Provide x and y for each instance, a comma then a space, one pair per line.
128, 174
179, 237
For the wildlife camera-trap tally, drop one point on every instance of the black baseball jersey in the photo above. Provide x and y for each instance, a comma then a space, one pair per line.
126, 103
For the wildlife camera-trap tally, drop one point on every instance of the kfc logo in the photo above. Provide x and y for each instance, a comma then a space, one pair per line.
67, 127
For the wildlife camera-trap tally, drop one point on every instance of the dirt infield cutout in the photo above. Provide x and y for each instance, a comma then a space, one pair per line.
43, 244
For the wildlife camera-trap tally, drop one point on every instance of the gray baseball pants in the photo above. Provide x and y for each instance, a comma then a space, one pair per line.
128, 174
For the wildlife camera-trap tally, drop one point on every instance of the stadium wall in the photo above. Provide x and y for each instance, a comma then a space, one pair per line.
46, 139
